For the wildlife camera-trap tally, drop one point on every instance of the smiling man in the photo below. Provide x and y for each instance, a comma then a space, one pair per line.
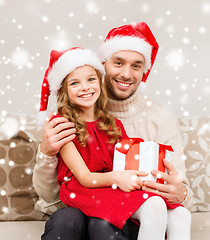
124, 74
128, 54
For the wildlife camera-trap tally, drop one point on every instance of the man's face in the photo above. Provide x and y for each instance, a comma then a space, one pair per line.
124, 71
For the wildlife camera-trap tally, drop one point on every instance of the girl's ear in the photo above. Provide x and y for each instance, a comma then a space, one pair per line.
103, 63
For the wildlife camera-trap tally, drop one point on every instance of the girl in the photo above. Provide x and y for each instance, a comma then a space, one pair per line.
85, 165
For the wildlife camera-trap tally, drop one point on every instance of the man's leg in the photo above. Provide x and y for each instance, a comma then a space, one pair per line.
100, 229
66, 224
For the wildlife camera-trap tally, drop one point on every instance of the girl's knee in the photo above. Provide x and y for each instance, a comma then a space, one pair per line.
157, 205
183, 213
179, 216
152, 210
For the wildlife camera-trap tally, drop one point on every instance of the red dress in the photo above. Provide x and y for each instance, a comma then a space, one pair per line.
112, 205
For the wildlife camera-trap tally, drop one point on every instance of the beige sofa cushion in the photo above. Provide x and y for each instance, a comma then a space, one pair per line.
196, 136
17, 160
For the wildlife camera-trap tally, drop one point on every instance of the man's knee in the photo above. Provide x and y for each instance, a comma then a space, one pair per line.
101, 229
66, 222
68, 217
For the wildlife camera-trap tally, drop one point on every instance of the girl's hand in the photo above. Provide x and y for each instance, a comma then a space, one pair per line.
129, 180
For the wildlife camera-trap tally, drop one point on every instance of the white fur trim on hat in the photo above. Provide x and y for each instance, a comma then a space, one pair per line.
119, 43
68, 62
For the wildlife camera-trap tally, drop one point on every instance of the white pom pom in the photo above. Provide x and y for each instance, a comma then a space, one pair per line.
9, 128
143, 88
41, 118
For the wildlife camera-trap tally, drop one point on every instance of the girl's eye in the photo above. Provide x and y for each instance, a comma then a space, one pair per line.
73, 83
91, 79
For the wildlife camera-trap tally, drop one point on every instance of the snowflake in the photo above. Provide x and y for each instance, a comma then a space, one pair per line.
3, 192
134, 178
45, 19
71, 14
72, 195
2, 161
176, 59
159, 176
11, 163
28, 171
91, 7
94, 181
126, 146
12, 144
5, 209
20, 57
118, 145
205, 7
202, 30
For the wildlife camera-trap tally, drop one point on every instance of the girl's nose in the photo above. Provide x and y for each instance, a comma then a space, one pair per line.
85, 86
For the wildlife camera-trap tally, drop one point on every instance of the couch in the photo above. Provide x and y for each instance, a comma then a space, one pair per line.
19, 138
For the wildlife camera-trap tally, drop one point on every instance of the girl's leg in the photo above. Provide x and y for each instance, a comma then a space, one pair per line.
153, 217
179, 222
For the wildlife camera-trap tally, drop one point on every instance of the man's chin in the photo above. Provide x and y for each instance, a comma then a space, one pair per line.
122, 96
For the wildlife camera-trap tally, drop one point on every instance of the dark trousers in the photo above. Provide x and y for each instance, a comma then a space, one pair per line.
71, 224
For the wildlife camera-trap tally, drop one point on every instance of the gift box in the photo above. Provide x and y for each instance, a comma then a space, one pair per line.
135, 154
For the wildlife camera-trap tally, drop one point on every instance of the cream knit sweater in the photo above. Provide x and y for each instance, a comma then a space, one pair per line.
141, 117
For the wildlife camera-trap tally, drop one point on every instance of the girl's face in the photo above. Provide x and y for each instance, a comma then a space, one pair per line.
83, 87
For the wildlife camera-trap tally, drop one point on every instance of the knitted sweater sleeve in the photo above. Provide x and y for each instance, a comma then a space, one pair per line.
178, 162
168, 132
45, 177
161, 126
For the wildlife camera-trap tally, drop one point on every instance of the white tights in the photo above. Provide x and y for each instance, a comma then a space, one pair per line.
156, 219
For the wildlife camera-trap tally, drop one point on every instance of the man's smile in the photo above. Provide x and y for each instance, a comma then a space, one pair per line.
122, 84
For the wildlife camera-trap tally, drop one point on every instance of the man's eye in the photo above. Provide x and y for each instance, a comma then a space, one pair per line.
137, 66
118, 63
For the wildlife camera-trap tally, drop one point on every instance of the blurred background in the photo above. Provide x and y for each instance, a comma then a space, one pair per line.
30, 29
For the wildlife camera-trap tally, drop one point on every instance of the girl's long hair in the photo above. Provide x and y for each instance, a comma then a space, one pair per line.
71, 111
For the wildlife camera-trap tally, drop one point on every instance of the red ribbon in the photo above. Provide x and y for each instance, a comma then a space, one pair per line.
125, 148
133, 164
162, 153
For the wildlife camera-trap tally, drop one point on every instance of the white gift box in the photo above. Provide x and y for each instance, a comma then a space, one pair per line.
135, 154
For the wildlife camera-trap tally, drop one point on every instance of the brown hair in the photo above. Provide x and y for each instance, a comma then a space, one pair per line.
71, 111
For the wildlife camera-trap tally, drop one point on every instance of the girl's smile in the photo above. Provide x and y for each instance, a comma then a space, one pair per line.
84, 88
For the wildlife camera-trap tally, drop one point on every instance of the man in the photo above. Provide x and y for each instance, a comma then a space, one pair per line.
128, 54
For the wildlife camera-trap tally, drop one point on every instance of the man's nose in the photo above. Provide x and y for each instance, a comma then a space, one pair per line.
126, 72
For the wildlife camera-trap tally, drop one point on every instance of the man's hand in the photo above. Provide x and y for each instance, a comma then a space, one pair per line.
55, 134
174, 191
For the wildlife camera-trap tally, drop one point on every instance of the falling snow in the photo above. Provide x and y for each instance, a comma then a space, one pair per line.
31, 32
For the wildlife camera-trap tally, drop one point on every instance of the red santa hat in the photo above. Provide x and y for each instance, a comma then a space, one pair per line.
61, 64
135, 37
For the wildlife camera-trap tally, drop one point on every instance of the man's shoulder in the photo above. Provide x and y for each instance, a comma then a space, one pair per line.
159, 115
155, 108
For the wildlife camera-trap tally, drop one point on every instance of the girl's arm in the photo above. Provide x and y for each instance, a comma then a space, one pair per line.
125, 180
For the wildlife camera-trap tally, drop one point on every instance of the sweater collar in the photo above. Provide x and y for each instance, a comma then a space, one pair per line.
128, 107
